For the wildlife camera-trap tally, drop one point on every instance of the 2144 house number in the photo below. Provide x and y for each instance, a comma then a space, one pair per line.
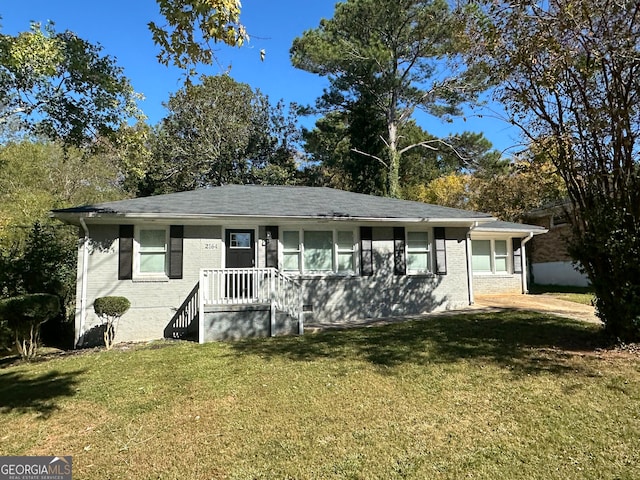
210, 246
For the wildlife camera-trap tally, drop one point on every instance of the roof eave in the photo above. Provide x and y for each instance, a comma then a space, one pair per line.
74, 217
511, 230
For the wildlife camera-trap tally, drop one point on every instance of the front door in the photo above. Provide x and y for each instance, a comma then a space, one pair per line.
240, 253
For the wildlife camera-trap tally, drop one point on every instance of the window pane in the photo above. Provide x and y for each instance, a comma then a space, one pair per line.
418, 261
417, 241
345, 262
481, 255
501, 264
318, 248
345, 240
152, 240
501, 247
241, 240
152, 262
290, 240
291, 261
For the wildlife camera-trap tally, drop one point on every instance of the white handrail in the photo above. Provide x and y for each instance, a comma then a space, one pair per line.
244, 286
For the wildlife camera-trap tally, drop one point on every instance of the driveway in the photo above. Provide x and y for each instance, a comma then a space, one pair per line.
538, 303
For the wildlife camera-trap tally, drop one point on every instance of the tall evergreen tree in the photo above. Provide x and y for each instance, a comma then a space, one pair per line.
391, 56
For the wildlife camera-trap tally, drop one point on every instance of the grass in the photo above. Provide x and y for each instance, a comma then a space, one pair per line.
583, 295
513, 395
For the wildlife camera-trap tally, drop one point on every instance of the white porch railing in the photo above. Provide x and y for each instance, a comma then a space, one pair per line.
245, 286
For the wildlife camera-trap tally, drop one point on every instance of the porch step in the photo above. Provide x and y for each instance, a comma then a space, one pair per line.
248, 307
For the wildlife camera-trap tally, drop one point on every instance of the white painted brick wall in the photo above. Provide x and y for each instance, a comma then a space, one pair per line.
494, 284
153, 302
340, 299
334, 299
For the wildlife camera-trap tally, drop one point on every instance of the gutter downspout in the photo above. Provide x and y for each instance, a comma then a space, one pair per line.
523, 262
469, 265
83, 284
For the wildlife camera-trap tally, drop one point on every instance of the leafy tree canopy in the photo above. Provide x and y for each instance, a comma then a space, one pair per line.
451, 190
36, 254
192, 25
217, 132
24, 315
568, 74
36, 177
508, 193
58, 85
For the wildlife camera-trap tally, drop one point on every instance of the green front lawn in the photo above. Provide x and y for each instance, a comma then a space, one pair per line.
513, 395
583, 295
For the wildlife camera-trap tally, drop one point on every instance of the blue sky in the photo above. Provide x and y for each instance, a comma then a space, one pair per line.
121, 28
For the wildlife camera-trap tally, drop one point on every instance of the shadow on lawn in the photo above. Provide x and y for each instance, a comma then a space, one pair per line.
25, 393
525, 342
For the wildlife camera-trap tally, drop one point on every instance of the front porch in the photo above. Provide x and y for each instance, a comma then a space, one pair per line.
232, 303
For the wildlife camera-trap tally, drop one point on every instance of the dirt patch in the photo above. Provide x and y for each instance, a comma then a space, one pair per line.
539, 303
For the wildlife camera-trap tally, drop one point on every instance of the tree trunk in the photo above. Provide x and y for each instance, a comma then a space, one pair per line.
393, 161
393, 181
108, 335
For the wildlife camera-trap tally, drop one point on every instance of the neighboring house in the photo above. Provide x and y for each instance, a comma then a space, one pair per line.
550, 262
235, 261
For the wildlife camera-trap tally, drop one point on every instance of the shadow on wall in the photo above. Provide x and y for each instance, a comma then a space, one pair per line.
94, 337
235, 322
104, 244
337, 300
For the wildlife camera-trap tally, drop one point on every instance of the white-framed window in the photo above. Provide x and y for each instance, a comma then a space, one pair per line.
345, 251
490, 256
319, 251
418, 252
291, 250
500, 256
317, 248
239, 240
151, 251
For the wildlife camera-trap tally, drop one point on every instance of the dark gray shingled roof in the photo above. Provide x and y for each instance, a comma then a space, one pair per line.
273, 201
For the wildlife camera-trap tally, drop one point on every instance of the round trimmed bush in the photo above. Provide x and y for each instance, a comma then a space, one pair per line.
110, 309
111, 306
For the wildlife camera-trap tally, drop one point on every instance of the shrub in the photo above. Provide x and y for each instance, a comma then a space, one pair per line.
110, 309
6, 336
24, 314
42, 260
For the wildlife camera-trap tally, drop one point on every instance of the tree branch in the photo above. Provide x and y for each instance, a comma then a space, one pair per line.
370, 156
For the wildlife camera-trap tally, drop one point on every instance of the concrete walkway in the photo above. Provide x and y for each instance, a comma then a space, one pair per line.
538, 303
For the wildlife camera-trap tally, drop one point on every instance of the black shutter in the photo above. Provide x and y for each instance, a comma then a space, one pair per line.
125, 252
517, 255
366, 251
441, 251
400, 263
176, 236
271, 247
